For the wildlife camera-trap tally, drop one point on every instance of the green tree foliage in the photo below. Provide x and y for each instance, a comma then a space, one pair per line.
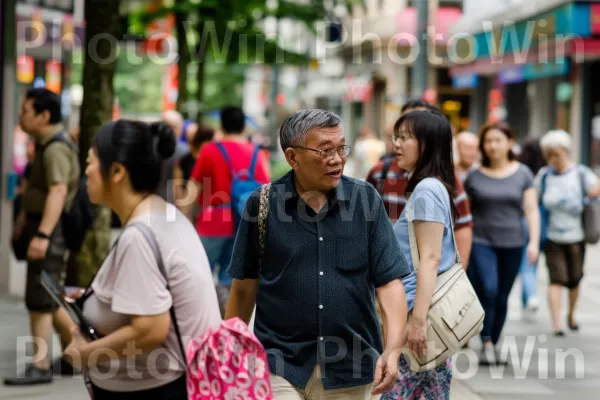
138, 84
230, 32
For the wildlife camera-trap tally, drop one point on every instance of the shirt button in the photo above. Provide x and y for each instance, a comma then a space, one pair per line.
320, 306
321, 239
321, 273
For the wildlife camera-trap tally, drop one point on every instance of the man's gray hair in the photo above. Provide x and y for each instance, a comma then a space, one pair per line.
294, 130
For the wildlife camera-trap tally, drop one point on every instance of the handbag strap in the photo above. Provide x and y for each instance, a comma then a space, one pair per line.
581, 182
412, 238
263, 212
151, 240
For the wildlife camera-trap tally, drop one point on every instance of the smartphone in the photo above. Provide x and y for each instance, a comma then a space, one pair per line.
69, 304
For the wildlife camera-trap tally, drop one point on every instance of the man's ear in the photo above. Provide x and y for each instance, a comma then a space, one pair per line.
45, 116
292, 157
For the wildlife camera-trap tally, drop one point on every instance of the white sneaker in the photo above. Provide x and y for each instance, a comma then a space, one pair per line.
533, 304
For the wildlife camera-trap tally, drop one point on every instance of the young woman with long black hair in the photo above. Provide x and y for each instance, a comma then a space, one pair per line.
423, 144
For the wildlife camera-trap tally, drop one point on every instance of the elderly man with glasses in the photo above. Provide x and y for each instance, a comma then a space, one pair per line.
328, 254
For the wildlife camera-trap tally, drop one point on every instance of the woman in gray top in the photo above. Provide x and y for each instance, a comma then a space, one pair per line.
501, 192
564, 187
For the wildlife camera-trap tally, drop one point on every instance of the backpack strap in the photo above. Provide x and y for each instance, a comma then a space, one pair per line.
252, 168
223, 151
151, 240
263, 213
61, 137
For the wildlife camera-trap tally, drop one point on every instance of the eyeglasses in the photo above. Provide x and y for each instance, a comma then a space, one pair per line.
402, 138
326, 154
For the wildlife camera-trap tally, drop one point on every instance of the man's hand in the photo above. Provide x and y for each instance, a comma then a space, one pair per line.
19, 225
37, 249
386, 371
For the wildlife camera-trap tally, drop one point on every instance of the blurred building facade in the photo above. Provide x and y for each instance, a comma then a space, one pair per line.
534, 63
366, 64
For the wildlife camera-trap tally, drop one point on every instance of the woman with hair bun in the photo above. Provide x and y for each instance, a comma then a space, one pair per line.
130, 303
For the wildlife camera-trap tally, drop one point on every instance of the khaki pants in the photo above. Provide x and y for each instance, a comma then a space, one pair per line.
283, 390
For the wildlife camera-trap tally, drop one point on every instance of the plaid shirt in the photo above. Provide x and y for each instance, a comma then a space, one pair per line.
393, 191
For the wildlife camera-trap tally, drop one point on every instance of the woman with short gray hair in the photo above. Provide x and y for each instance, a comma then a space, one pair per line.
563, 187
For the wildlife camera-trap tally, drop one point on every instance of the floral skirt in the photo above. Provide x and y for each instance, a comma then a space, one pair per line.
430, 385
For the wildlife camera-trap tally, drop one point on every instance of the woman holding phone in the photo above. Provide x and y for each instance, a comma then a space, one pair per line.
130, 301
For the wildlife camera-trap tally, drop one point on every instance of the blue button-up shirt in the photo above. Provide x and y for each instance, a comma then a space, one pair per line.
316, 293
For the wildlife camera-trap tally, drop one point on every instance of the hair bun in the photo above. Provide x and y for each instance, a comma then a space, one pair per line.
166, 139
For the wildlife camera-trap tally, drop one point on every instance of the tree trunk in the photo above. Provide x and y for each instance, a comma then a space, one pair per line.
201, 71
184, 61
102, 22
102, 18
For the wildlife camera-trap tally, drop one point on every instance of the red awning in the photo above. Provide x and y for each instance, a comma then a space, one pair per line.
444, 18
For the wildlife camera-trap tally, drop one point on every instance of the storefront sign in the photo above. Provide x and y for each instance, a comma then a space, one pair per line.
512, 75
65, 6
170, 88
595, 19
564, 91
521, 36
53, 75
25, 69
530, 72
465, 81
445, 18
34, 29
539, 71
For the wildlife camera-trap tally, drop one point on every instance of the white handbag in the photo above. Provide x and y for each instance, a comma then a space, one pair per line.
455, 314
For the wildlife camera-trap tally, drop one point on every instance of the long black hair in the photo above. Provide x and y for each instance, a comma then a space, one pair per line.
532, 155
434, 136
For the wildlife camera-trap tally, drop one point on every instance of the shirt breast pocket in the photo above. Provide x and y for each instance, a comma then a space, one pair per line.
352, 254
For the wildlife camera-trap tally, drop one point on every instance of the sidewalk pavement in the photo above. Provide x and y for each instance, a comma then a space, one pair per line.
15, 323
542, 376
538, 370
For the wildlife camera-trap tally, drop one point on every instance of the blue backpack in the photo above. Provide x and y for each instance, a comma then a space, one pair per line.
243, 183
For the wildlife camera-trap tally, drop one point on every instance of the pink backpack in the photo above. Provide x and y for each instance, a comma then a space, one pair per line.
228, 363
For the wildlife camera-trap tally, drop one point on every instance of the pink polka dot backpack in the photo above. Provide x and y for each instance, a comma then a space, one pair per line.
228, 363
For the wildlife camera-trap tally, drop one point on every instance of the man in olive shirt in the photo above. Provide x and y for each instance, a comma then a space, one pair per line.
51, 189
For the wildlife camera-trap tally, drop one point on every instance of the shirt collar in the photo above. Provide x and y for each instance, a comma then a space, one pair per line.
340, 192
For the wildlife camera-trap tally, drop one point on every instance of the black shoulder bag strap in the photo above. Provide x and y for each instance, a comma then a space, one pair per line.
581, 181
151, 239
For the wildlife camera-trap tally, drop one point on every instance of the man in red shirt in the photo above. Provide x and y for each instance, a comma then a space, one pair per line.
212, 179
391, 182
